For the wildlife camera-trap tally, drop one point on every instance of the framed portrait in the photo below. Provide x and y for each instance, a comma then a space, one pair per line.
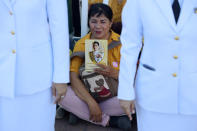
96, 52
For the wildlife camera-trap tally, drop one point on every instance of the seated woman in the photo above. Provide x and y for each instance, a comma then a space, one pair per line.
77, 99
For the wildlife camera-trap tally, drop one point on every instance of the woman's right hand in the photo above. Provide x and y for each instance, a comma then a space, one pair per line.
95, 112
83, 94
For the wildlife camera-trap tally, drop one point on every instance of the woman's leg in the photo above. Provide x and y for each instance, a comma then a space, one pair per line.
112, 107
118, 118
74, 104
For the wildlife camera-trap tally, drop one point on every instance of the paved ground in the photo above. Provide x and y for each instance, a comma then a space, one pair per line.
62, 125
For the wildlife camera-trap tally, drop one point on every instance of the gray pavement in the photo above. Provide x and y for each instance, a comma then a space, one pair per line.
63, 125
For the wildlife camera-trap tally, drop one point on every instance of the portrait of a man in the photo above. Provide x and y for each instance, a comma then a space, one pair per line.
97, 53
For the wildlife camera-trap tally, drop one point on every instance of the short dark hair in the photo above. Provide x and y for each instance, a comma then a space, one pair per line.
95, 42
98, 9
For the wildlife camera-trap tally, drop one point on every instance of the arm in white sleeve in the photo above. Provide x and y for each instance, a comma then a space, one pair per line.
58, 22
131, 39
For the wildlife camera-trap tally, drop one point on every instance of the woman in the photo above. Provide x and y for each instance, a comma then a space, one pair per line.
31, 58
78, 100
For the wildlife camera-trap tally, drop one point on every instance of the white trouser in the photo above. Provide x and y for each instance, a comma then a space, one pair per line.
154, 121
34, 112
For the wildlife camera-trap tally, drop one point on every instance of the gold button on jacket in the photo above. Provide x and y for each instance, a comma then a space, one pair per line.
174, 75
13, 51
176, 38
175, 57
12, 32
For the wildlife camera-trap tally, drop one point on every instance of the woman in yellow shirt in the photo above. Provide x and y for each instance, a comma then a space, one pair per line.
77, 99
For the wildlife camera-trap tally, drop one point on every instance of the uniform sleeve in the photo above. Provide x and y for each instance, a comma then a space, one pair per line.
131, 45
58, 22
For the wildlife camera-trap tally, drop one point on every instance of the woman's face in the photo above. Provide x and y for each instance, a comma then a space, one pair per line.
100, 27
95, 47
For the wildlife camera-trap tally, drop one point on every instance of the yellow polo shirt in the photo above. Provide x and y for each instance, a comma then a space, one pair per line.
113, 54
94, 1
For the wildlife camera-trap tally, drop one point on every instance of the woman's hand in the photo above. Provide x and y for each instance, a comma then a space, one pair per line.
95, 112
59, 90
107, 71
81, 91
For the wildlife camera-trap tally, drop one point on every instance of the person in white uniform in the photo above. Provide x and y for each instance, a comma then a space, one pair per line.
165, 86
34, 56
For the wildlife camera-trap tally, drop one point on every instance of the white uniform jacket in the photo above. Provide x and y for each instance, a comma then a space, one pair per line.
31, 55
167, 75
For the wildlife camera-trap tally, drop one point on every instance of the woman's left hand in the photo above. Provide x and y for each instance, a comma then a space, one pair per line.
107, 71
59, 91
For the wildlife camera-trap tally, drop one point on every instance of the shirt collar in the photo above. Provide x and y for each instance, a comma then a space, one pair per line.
113, 37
